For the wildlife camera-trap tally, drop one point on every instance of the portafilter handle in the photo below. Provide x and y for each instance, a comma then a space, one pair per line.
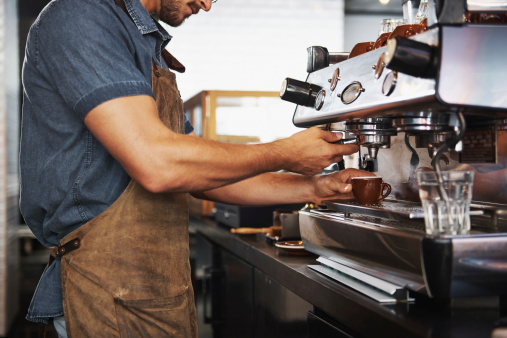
354, 140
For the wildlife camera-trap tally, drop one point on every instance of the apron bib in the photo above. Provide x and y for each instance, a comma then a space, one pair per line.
130, 273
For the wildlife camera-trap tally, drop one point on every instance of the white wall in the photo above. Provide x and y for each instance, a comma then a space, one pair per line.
253, 44
361, 28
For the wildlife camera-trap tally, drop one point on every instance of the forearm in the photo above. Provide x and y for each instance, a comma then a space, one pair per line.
286, 188
189, 163
265, 189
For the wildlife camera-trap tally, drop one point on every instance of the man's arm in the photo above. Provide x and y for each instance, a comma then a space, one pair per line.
489, 186
286, 188
161, 160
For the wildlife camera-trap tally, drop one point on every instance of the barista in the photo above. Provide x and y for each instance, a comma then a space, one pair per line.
108, 158
490, 180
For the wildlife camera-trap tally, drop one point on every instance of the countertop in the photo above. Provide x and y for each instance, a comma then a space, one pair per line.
362, 315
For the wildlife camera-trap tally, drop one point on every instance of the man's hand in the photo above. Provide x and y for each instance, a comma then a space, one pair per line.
310, 151
336, 185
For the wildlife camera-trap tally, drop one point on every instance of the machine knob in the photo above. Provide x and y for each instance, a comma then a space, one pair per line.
410, 57
320, 58
299, 92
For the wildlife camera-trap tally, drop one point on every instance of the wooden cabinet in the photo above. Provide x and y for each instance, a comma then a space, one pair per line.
206, 109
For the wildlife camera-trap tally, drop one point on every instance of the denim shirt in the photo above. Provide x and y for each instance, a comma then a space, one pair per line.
79, 54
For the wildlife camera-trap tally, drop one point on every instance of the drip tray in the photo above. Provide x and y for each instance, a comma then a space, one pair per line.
378, 289
391, 209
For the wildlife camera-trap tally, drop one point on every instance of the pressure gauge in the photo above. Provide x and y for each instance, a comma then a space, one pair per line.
319, 101
351, 92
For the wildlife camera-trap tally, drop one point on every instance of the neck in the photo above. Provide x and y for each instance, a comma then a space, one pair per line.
150, 5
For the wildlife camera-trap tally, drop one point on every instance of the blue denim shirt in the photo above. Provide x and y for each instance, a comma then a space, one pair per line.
79, 54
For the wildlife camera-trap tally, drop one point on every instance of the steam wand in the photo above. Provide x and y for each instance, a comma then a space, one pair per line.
449, 144
414, 159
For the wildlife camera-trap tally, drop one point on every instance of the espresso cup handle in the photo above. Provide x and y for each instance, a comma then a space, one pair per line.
384, 187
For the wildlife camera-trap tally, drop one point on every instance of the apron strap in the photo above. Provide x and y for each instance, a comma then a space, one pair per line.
70, 246
58, 251
172, 62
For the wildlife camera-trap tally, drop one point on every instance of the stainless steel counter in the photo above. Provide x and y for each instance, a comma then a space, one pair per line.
359, 315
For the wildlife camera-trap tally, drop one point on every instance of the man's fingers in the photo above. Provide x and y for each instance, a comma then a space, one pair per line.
344, 188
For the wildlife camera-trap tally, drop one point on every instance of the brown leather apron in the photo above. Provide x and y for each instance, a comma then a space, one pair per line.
130, 273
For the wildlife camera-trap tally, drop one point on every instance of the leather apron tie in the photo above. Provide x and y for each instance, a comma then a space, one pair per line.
126, 273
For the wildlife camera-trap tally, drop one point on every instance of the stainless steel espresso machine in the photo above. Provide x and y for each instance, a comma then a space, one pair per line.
435, 99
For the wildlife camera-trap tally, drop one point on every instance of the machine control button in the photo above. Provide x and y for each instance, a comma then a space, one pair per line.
319, 101
334, 80
389, 83
351, 92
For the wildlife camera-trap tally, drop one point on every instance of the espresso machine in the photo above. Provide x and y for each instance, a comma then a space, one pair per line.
435, 98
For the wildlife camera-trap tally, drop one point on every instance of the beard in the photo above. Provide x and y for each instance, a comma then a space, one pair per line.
170, 12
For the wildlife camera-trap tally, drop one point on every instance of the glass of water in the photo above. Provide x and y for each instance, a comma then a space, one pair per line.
446, 201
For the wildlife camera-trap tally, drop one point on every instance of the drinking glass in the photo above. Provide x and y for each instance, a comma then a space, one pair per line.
388, 25
446, 201
426, 14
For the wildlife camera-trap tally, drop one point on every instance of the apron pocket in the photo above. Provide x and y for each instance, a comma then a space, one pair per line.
165, 317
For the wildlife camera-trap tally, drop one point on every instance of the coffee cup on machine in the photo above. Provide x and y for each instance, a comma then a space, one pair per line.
370, 189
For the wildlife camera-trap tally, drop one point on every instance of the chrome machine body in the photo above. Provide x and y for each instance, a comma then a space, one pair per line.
438, 98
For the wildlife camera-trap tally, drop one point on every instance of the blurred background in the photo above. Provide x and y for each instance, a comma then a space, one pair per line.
240, 45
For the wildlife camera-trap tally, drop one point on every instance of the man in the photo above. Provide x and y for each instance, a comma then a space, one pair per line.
107, 160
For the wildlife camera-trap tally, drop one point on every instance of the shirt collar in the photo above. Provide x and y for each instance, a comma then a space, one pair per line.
143, 20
